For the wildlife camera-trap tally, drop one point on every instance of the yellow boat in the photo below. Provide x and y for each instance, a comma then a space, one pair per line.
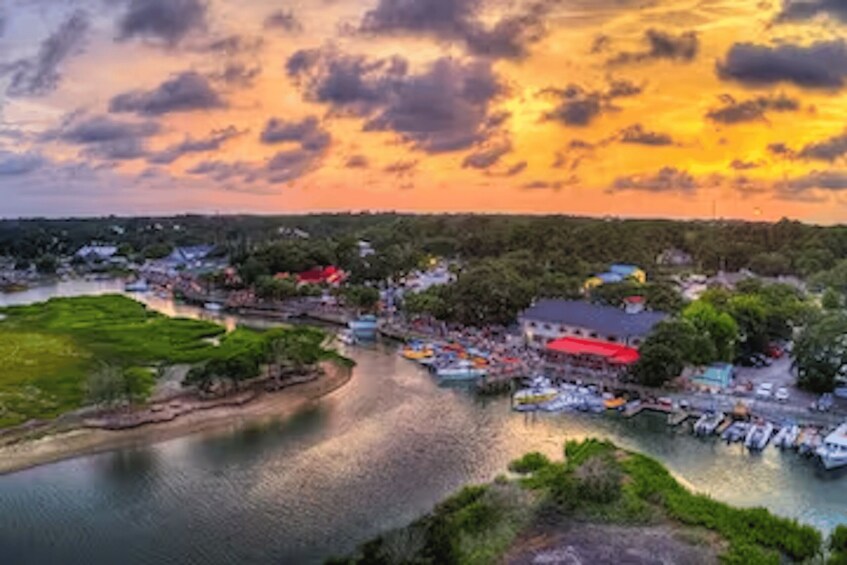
614, 403
416, 354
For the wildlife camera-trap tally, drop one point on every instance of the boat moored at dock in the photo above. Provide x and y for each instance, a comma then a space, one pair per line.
833, 450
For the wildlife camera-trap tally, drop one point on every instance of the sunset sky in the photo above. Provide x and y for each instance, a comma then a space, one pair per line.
679, 108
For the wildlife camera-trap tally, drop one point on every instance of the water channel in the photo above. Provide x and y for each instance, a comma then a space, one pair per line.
373, 455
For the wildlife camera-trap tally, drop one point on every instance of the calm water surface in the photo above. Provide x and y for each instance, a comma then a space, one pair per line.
371, 456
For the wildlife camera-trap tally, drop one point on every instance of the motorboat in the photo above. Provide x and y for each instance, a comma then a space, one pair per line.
416, 353
810, 441
758, 436
462, 370
363, 326
213, 306
538, 394
736, 432
708, 423
346, 337
138, 285
833, 450
787, 436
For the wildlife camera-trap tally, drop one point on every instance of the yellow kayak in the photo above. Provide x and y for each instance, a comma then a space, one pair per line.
614, 403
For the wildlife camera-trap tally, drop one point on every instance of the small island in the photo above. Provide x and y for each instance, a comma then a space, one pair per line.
602, 504
72, 367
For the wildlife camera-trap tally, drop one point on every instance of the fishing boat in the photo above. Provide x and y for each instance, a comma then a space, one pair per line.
462, 370
138, 285
758, 436
363, 326
833, 450
708, 423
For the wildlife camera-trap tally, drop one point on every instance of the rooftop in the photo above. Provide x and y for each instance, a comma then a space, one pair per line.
602, 319
614, 353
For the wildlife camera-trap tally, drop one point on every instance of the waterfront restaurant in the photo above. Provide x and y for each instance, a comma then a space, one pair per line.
579, 339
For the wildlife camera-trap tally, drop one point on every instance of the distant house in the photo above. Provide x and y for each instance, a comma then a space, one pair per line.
552, 319
97, 253
617, 273
365, 249
293, 233
674, 258
187, 257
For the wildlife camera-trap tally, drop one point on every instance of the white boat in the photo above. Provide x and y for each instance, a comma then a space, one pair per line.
346, 337
138, 285
833, 451
460, 371
787, 436
213, 306
759, 436
536, 396
810, 442
708, 423
736, 432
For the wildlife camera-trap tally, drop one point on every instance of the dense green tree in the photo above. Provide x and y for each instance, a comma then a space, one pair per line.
720, 327
820, 353
489, 293
658, 363
271, 288
427, 303
360, 297
47, 264
831, 300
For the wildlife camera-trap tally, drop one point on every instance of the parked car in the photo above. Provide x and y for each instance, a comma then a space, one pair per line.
764, 390
757, 360
824, 403
781, 394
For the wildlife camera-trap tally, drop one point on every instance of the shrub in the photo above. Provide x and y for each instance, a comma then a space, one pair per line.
529, 463
599, 479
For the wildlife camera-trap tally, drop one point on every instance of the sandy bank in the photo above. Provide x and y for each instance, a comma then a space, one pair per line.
74, 443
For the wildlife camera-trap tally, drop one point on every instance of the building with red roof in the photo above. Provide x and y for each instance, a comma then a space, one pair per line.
331, 275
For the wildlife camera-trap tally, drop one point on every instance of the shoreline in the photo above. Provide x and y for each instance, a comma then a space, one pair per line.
78, 442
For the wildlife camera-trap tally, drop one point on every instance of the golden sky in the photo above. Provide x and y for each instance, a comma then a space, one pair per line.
679, 108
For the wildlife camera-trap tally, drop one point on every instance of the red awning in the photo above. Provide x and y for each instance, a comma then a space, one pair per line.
612, 352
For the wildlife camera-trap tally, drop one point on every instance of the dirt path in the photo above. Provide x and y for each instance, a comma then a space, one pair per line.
75, 443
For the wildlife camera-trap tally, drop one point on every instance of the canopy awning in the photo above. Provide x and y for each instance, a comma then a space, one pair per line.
612, 352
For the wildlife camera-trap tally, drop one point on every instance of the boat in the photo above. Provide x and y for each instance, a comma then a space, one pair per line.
213, 306
539, 393
833, 450
614, 403
736, 432
416, 353
363, 326
708, 423
461, 370
787, 436
810, 441
346, 337
138, 285
758, 436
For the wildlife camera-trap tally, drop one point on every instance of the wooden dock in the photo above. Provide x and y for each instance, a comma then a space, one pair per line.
675, 417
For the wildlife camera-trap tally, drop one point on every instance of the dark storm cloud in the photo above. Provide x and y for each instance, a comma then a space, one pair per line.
621, 88
284, 20
307, 132
124, 149
168, 21
184, 92
804, 187
231, 45
828, 150
40, 74
820, 65
221, 171
486, 157
191, 145
461, 20
737, 111
636, 134
542, 184
357, 162
443, 108
287, 166
793, 10
16, 164
667, 179
662, 45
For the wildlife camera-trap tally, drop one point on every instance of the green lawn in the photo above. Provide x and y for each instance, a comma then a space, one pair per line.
47, 350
